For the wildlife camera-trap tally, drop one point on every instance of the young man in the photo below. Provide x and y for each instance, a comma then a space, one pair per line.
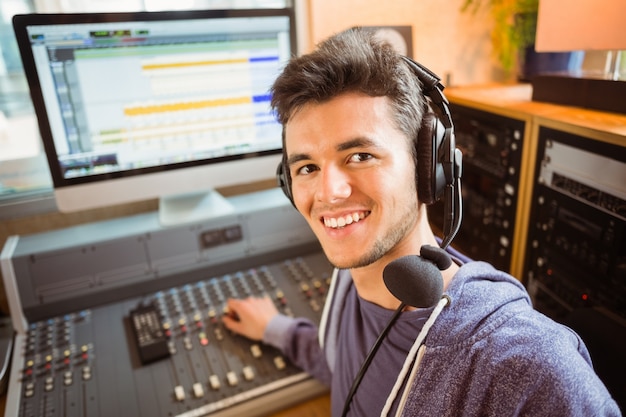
351, 111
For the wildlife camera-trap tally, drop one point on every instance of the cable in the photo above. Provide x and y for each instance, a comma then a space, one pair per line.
368, 359
445, 300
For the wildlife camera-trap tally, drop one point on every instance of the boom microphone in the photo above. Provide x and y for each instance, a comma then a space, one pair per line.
416, 280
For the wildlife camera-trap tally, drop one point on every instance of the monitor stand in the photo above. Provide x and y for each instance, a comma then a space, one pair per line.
186, 208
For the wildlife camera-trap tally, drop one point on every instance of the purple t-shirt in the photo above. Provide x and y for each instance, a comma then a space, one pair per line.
361, 324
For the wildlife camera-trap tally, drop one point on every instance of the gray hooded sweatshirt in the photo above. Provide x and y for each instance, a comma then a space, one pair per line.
488, 353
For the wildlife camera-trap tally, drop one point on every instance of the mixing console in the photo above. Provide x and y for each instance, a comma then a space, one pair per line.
160, 348
75, 364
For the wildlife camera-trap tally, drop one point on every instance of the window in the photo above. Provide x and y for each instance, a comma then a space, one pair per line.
23, 169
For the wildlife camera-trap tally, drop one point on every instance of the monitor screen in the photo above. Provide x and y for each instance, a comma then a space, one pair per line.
155, 104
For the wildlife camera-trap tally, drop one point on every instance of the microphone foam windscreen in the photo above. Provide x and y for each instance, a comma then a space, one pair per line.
414, 281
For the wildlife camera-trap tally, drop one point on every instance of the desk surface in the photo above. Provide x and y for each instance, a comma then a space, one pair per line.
316, 407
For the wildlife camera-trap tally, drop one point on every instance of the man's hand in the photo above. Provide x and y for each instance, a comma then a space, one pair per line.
249, 317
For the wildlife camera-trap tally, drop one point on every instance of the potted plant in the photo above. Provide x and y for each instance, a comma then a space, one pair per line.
513, 37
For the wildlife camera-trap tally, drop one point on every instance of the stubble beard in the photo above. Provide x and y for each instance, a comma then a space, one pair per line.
395, 234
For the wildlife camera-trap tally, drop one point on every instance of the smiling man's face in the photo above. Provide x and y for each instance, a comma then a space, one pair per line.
353, 178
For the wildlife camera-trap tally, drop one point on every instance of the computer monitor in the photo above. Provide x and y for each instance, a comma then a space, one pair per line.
169, 105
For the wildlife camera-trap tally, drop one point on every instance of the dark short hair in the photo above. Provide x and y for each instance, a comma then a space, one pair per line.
352, 61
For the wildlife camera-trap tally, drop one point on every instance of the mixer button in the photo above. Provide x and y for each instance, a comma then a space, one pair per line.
187, 343
49, 384
66, 356
318, 286
86, 373
182, 323
315, 306
28, 371
212, 314
48, 364
218, 334
280, 297
84, 352
167, 329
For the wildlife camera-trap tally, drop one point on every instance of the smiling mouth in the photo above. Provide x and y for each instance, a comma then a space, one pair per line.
339, 222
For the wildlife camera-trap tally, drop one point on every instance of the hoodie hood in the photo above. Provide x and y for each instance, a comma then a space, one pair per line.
476, 292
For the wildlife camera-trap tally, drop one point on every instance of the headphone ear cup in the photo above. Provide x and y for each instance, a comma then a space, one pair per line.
429, 170
283, 180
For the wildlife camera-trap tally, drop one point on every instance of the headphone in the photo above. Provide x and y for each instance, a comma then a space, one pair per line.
438, 160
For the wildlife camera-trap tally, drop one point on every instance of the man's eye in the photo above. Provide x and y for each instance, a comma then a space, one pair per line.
306, 169
360, 157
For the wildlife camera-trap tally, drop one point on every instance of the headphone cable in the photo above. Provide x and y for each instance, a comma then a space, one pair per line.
368, 359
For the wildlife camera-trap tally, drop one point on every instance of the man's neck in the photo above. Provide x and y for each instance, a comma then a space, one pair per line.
370, 286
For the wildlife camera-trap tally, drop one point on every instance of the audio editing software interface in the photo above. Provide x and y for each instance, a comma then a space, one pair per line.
136, 94
124, 318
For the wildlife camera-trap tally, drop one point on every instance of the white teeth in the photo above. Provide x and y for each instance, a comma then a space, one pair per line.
337, 222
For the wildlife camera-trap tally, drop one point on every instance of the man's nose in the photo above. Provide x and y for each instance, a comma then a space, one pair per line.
334, 184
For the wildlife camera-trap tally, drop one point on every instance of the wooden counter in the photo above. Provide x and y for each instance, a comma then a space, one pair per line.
316, 407
515, 101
